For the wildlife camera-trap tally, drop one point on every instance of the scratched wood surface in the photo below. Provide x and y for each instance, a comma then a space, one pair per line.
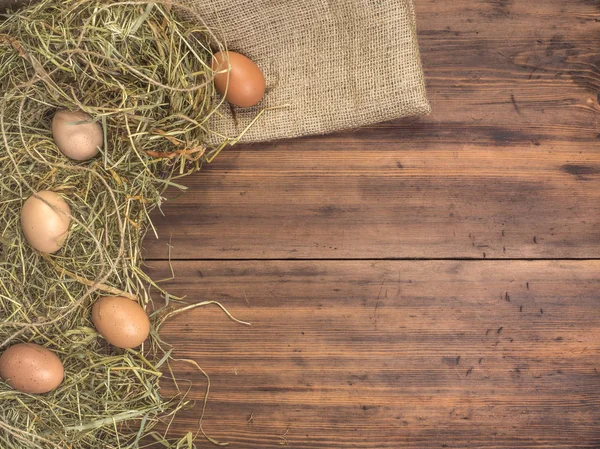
393, 354
507, 166
348, 350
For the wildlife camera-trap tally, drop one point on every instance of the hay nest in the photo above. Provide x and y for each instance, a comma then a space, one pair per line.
143, 74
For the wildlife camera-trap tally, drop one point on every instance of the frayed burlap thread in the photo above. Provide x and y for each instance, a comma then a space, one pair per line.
329, 65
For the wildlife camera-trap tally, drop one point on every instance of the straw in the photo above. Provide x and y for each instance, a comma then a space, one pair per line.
142, 73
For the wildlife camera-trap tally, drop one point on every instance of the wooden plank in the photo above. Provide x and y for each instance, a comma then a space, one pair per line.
393, 354
508, 165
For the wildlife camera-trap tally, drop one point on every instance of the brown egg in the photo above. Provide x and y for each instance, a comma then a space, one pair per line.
31, 368
243, 84
45, 228
77, 140
121, 321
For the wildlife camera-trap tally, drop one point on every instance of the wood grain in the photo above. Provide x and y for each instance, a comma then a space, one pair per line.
381, 354
393, 354
507, 166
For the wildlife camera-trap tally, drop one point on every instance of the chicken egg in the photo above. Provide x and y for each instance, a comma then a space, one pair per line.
76, 134
238, 79
46, 228
31, 368
121, 321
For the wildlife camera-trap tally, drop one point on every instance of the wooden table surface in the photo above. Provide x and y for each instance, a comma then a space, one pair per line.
425, 283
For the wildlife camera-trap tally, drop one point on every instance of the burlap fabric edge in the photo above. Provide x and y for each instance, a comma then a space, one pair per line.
329, 66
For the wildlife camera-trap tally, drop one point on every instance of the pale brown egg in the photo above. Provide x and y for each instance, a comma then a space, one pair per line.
243, 84
121, 321
44, 227
76, 134
31, 368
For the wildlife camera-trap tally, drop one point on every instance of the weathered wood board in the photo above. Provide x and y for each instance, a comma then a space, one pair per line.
507, 166
349, 350
393, 354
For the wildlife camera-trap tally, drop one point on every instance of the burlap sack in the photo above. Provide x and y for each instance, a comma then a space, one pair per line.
329, 65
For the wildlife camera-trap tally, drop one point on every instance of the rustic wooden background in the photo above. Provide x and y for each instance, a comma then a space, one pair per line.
422, 283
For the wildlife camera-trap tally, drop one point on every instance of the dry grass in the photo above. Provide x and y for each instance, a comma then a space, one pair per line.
143, 74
